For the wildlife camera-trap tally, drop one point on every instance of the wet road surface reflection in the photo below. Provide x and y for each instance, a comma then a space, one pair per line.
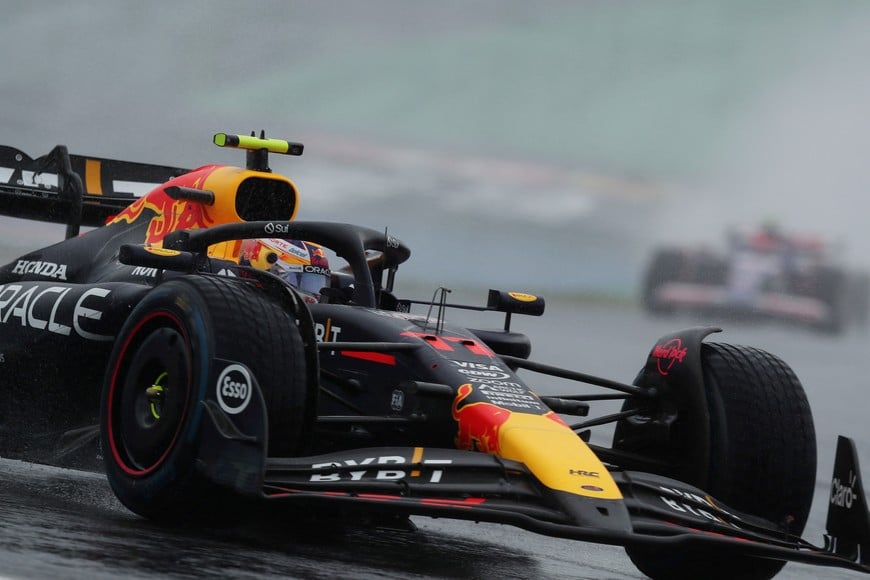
63, 523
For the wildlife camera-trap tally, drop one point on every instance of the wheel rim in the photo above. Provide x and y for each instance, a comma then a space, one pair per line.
150, 397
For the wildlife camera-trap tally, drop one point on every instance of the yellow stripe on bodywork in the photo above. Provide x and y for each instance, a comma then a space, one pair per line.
93, 184
556, 456
416, 458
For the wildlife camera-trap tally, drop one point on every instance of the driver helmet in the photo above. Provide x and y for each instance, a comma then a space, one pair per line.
303, 265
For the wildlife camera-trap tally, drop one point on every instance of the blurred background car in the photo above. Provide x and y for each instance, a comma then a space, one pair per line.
764, 273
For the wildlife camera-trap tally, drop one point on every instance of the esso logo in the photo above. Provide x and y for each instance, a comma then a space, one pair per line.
234, 389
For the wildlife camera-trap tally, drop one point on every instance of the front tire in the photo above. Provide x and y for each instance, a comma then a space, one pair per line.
158, 375
762, 450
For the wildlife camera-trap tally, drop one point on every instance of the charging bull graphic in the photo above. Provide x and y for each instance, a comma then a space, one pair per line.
166, 214
519, 435
479, 422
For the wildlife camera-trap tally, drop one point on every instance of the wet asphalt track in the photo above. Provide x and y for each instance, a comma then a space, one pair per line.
65, 524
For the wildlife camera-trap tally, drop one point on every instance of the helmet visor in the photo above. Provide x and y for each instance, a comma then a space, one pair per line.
309, 279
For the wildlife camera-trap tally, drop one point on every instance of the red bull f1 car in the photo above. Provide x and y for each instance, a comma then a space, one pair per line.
761, 275
205, 384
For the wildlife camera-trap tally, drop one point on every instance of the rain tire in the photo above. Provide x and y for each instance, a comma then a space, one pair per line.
762, 459
158, 374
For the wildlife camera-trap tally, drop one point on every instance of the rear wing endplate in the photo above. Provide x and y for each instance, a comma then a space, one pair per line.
75, 190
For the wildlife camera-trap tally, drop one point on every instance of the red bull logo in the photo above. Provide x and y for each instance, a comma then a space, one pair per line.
169, 214
479, 423
549, 448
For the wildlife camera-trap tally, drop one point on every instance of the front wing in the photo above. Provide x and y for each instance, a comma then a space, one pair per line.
480, 487
378, 482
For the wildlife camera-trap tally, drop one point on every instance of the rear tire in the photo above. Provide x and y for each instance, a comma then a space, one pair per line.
158, 374
762, 459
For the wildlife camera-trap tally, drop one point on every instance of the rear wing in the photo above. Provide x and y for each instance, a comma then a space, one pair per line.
75, 190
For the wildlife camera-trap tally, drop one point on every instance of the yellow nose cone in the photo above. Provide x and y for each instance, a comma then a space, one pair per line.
556, 455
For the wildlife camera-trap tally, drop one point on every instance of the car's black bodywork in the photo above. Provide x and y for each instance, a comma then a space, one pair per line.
203, 379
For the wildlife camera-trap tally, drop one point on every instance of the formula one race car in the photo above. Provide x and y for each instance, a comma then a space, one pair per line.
765, 274
209, 380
